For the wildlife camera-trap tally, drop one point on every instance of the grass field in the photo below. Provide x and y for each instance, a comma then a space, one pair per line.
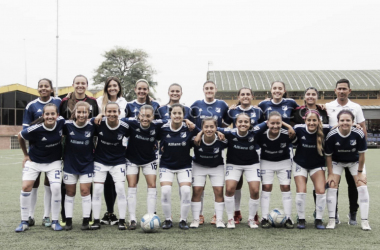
205, 237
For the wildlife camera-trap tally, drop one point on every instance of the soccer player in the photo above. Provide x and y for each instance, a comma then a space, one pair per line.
342, 91
208, 160
44, 155
275, 158
110, 157
33, 111
176, 142
345, 148
175, 93
78, 162
309, 159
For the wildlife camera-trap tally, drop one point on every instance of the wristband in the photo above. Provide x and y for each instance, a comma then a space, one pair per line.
360, 171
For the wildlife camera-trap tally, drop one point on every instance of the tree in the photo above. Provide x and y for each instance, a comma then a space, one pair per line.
128, 66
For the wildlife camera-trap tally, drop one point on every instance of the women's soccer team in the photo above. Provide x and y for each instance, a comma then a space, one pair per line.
107, 141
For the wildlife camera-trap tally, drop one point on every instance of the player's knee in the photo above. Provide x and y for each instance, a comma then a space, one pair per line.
166, 193
71, 193
185, 192
119, 187
98, 189
267, 187
230, 191
55, 189
84, 191
26, 187
285, 188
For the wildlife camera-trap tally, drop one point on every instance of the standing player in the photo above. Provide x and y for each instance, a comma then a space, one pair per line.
33, 111
175, 93
342, 91
79, 162
44, 155
110, 157
309, 159
345, 148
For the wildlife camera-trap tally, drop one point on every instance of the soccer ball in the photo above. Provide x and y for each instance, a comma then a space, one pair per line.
277, 217
150, 223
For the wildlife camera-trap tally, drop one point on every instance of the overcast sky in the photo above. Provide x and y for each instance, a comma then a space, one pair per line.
182, 36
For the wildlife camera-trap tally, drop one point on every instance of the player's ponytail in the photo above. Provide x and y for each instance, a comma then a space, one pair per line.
41, 119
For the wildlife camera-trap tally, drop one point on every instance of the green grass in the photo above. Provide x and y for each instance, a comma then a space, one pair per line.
207, 236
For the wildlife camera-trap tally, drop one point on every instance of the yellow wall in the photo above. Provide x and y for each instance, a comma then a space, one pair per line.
362, 102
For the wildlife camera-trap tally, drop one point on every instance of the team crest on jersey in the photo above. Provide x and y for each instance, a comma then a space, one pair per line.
119, 136
252, 121
90, 107
65, 177
280, 151
285, 108
135, 110
216, 150
215, 117
152, 132
217, 110
183, 134
265, 145
183, 143
86, 142
352, 142
60, 132
253, 114
284, 115
87, 134
298, 168
137, 130
354, 149
283, 145
251, 147
250, 139
151, 139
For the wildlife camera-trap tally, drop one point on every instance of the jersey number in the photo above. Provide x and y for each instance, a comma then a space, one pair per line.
122, 170
289, 173
57, 174
154, 165
188, 172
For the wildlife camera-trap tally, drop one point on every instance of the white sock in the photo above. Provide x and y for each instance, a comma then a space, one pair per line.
86, 206
237, 199
219, 207
97, 200
69, 206
202, 197
47, 201
363, 202
320, 204
253, 207
25, 205
196, 209
265, 201
55, 200
287, 203
166, 201
121, 199
151, 200
132, 199
301, 204
230, 205
331, 201
185, 202
33, 201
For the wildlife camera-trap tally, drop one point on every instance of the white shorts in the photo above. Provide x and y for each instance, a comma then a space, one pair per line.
200, 174
147, 169
352, 166
117, 172
300, 171
33, 169
73, 178
283, 169
251, 172
183, 175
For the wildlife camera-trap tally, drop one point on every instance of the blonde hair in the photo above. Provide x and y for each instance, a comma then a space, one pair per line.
79, 104
320, 134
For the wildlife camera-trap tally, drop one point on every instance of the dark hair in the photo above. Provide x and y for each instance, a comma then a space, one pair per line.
343, 81
304, 93
118, 107
209, 81
249, 118
78, 104
346, 111
176, 105
109, 79
80, 76
50, 83
41, 119
240, 91
209, 119
147, 99
174, 84
285, 94
72, 101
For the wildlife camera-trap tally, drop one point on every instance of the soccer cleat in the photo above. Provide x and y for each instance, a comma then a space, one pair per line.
365, 225
106, 219
331, 224
183, 225
289, 224
167, 224
201, 219
265, 223
237, 217
46, 222
252, 224
113, 220
352, 219
257, 219
132, 225
31, 221
123, 226
85, 224
69, 224
337, 221
213, 220
220, 224
301, 224
319, 224
95, 225
195, 224
56, 226
231, 223
68, 227
22, 227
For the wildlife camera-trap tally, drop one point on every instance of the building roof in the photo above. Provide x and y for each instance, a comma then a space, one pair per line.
295, 80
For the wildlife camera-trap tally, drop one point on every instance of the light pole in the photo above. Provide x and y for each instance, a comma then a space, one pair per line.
56, 64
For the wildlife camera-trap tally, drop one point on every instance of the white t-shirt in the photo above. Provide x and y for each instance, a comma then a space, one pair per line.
333, 108
120, 101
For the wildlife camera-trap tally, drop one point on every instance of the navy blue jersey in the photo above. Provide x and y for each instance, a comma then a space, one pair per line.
142, 141
256, 115
79, 147
210, 155
163, 112
345, 148
242, 149
307, 154
110, 150
34, 109
202, 109
44, 143
176, 146
285, 108
276, 149
133, 108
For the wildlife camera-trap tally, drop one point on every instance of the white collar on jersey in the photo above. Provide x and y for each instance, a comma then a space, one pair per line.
118, 125
237, 132
49, 129
209, 102
307, 130
209, 144
177, 129
279, 133
46, 101
140, 102
240, 107
344, 136
277, 102
338, 105
76, 125
143, 127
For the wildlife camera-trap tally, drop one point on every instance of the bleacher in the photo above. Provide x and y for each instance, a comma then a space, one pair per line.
373, 140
